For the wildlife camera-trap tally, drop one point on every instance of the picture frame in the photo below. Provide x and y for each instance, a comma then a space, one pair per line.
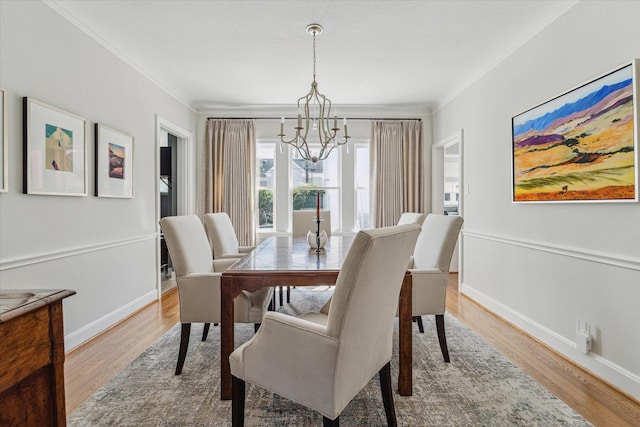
582, 145
55, 150
114, 162
4, 142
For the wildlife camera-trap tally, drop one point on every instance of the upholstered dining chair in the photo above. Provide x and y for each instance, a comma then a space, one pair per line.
411, 218
198, 280
222, 236
303, 221
330, 358
405, 218
429, 268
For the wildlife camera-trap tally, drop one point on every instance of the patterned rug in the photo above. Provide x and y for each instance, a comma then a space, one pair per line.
478, 388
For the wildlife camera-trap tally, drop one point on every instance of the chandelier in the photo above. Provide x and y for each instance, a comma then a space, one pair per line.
314, 113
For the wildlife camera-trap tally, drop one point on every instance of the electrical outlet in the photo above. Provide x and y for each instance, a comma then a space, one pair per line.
583, 337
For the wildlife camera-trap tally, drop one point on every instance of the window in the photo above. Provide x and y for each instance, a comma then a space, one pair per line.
266, 164
362, 179
307, 178
286, 183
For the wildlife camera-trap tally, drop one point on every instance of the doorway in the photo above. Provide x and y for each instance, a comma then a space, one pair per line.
175, 192
168, 200
447, 196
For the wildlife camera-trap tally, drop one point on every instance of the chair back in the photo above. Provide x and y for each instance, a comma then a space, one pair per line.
187, 244
437, 241
304, 221
412, 218
364, 301
221, 234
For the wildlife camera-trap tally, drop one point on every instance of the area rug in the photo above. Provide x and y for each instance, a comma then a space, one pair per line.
478, 388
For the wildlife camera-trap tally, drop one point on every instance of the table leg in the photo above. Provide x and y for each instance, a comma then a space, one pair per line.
405, 380
226, 335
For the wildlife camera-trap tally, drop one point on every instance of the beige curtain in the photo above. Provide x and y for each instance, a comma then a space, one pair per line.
397, 170
229, 160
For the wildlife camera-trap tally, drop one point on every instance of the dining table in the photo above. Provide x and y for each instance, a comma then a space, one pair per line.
289, 261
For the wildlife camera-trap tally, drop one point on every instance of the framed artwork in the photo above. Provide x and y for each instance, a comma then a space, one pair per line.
55, 150
581, 146
114, 163
4, 142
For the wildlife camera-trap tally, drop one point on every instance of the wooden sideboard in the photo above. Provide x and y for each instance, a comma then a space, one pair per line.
32, 358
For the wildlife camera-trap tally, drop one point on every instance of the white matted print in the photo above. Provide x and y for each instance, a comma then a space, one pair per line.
55, 150
4, 143
114, 163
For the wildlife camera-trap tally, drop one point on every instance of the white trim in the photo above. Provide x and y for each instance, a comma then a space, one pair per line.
185, 176
89, 331
79, 250
586, 255
598, 365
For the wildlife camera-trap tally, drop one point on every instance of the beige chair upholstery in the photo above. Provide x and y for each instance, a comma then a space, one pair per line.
222, 237
429, 267
405, 218
412, 218
198, 280
304, 221
330, 358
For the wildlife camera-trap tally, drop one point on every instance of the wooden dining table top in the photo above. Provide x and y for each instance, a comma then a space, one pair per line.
292, 255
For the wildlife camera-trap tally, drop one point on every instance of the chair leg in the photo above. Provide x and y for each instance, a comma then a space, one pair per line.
418, 319
387, 395
205, 331
256, 326
237, 401
281, 294
184, 343
273, 300
326, 422
442, 337
288, 294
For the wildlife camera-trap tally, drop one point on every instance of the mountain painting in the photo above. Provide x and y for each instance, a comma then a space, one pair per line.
580, 146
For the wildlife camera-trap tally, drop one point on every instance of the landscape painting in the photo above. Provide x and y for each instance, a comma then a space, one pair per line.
580, 146
116, 161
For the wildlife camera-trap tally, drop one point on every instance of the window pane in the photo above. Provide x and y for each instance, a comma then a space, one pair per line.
265, 177
265, 208
362, 187
307, 199
266, 165
320, 174
362, 209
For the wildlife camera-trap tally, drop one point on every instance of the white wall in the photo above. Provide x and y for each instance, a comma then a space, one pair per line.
543, 266
104, 249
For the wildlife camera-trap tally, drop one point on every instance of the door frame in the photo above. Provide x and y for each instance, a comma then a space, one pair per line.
437, 184
185, 177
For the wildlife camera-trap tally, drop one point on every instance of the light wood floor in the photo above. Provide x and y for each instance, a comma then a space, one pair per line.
91, 365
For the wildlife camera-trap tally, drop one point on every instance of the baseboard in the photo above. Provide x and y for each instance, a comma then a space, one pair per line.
615, 375
89, 331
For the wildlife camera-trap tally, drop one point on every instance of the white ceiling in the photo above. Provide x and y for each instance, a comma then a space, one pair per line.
255, 55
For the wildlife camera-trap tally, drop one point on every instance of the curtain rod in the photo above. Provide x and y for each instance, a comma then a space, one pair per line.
296, 118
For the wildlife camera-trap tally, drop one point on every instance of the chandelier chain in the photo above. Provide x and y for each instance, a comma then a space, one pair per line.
314, 56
